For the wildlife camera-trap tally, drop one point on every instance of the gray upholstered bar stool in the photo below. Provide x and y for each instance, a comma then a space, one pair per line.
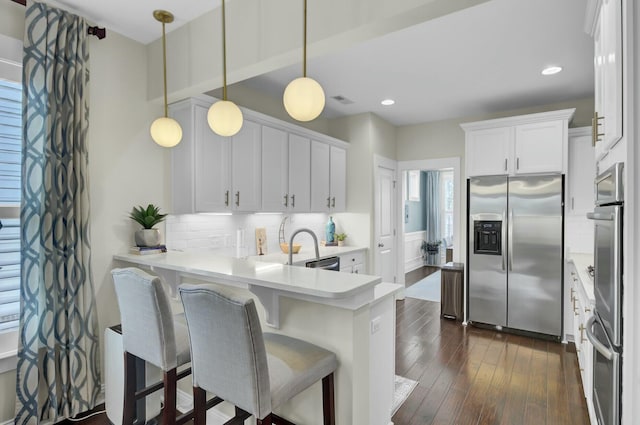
255, 372
149, 332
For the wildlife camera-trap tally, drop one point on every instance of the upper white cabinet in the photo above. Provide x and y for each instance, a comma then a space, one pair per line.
266, 167
604, 23
299, 173
328, 177
582, 172
526, 144
286, 171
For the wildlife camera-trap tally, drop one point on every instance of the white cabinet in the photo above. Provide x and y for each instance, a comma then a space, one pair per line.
353, 262
582, 172
275, 170
488, 151
299, 173
328, 177
246, 167
605, 20
527, 144
581, 308
266, 167
539, 147
228, 170
286, 171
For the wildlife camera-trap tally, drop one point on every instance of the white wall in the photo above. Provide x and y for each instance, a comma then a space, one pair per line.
265, 36
412, 252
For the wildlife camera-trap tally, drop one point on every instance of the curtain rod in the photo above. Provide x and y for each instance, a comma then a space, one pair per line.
95, 30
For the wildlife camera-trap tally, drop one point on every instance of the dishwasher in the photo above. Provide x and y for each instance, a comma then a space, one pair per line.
330, 263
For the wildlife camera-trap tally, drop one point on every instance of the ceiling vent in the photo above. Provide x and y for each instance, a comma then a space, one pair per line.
342, 100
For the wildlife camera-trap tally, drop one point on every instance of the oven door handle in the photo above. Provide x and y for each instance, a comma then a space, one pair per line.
602, 349
600, 216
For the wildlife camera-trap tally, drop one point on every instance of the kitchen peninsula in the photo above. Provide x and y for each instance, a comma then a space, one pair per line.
352, 315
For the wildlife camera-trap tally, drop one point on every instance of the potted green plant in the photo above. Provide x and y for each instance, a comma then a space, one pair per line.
147, 218
430, 251
340, 237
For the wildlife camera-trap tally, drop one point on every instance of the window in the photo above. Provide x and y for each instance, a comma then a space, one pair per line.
413, 185
447, 204
10, 168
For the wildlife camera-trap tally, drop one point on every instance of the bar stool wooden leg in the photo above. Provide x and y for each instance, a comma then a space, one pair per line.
170, 384
266, 421
328, 403
129, 403
199, 406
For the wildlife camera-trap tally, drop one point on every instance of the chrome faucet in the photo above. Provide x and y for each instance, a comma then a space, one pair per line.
315, 241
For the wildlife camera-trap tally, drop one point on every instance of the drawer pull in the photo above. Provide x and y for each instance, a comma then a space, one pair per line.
286, 200
582, 328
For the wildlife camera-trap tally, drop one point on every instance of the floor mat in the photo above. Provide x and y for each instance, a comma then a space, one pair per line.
404, 387
426, 289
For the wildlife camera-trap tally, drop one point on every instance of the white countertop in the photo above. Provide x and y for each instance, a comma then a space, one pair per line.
272, 275
307, 253
582, 261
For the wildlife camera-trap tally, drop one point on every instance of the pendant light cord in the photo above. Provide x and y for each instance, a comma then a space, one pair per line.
224, 54
164, 68
304, 53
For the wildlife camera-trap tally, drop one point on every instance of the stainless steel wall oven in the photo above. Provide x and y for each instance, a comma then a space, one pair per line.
604, 328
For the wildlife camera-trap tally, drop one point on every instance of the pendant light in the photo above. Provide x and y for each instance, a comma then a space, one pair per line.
304, 98
224, 117
165, 131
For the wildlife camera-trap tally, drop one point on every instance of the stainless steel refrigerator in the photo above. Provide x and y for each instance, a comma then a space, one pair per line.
515, 252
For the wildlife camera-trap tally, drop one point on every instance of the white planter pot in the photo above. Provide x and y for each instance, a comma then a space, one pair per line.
147, 237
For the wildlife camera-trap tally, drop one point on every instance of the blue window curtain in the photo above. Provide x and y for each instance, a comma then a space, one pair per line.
58, 372
432, 189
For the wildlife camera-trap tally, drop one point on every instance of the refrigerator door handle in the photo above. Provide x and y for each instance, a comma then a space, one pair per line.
510, 239
602, 349
503, 241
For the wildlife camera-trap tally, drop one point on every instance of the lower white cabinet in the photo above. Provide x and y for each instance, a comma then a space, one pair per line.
353, 262
581, 308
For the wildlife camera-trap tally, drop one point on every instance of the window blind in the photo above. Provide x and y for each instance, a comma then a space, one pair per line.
10, 169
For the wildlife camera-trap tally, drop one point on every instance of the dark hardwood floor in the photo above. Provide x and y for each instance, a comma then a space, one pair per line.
468, 375
419, 274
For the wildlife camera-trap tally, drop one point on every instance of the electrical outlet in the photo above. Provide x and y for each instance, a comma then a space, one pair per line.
375, 325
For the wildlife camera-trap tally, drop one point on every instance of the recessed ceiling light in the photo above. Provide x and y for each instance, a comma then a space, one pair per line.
388, 102
550, 70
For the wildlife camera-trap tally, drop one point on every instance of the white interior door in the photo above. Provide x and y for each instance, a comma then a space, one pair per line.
385, 219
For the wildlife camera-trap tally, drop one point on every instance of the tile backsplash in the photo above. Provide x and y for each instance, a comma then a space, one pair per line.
224, 232
579, 234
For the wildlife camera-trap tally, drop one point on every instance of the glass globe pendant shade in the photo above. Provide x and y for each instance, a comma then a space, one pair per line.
225, 118
303, 99
166, 132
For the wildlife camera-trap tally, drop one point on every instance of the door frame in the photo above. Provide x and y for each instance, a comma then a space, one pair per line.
459, 249
378, 161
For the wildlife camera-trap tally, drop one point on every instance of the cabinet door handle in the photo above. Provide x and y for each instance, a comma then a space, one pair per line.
505, 164
573, 203
595, 124
286, 200
517, 163
237, 198
380, 245
333, 202
574, 307
226, 198
293, 201
582, 333
329, 202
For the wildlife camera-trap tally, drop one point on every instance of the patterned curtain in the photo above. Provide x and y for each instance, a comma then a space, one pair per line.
58, 373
